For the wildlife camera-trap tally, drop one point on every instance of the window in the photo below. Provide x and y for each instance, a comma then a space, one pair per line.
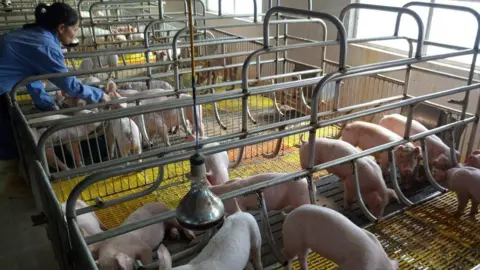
236, 7
447, 27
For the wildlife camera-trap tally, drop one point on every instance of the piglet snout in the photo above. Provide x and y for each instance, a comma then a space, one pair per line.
407, 172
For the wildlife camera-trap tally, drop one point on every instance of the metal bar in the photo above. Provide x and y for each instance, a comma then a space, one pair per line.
323, 16
393, 178
379, 76
426, 166
475, 49
374, 68
445, 108
358, 193
183, 146
210, 150
398, 10
122, 199
448, 75
267, 230
202, 100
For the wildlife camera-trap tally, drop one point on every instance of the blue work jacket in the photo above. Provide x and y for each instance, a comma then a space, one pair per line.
36, 51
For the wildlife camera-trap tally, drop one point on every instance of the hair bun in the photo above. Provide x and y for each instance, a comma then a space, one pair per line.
41, 9
50, 16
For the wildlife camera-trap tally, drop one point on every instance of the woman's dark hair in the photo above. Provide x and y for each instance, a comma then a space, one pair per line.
51, 16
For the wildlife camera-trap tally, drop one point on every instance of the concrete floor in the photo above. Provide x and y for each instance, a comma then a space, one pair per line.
23, 246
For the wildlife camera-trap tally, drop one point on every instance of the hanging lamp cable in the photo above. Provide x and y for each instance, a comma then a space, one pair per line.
194, 88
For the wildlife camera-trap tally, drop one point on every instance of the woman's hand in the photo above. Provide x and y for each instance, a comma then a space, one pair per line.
105, 97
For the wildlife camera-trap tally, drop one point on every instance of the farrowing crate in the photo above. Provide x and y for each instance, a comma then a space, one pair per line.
395, 233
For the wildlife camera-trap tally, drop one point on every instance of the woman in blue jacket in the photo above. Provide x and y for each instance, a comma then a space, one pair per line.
36, 50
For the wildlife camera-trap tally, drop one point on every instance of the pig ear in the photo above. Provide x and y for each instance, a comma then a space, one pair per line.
418, 151
210, 178
401, 147
123, 261
469, 160
394, 264
164, 258
111, 87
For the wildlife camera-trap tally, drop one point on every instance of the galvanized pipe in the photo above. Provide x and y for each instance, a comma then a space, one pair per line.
183, 146
358, 193
426, 167
113, 114
267, 230
210, 150
475, 49
323, 16
393, 178
398, 10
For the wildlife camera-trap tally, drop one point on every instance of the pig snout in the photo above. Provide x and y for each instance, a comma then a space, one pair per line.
407, 172
407, 158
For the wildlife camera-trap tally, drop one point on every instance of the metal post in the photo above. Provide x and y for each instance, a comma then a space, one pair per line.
267, 230
426, 167
358, 193
393, 178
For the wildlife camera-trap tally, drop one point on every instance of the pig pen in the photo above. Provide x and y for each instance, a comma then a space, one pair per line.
421, 237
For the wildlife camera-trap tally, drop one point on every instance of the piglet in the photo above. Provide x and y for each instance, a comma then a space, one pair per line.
438, 152
126, 133
156, 127
89, 224
216, 165
367, 135
334, 237
64, 100
52, 159
372, 186
289, 194
231, 247
121, 251
473, 160
465, 182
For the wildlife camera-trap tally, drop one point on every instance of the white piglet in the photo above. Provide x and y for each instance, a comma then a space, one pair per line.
126, 133
121, 251
89, 224
216, 165
52, 159
334, 237
286, 195
438, 152
231, 247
